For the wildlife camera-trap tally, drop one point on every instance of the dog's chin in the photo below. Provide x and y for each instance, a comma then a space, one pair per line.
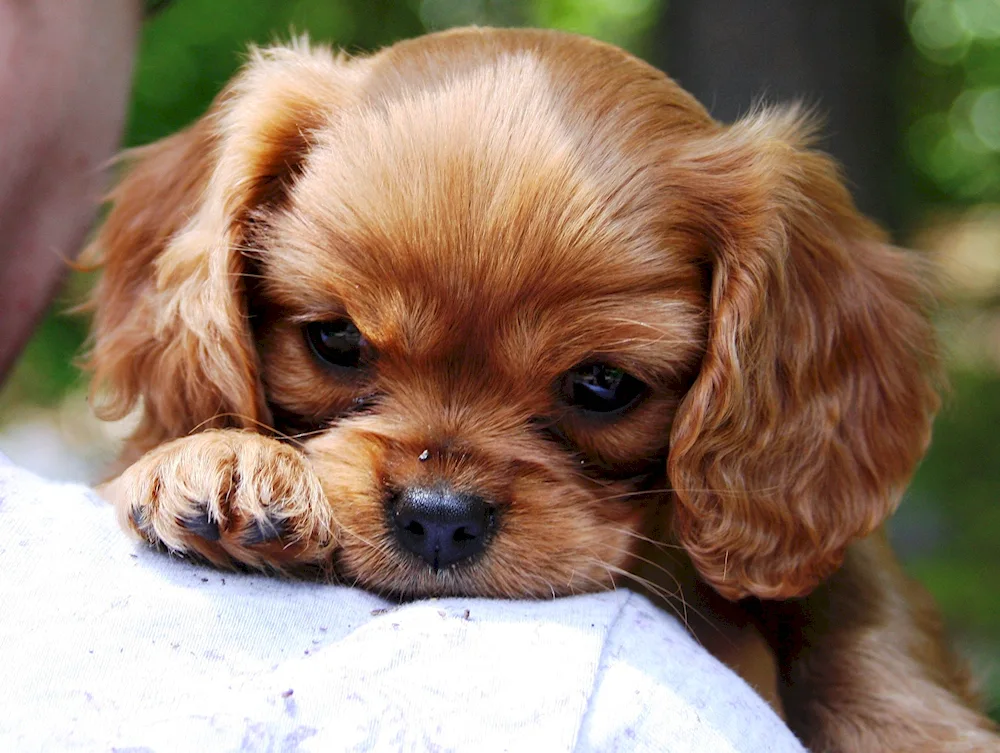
401, 577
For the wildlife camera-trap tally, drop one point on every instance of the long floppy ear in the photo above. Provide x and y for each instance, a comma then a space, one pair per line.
817, 389
170, 323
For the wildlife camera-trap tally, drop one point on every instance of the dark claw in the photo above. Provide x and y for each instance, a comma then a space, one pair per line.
202, 526
263, 531
139, 519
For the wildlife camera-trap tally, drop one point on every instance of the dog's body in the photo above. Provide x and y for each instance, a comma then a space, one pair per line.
446, 319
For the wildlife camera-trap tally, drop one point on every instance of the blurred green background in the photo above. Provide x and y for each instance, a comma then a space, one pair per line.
943, 75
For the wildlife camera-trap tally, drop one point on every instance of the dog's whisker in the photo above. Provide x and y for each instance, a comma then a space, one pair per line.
669, 599
306, 434
243, 417
652, 587
756, 490
599, 585
638, 536
247, 275
385, 549
631, 495
655, 565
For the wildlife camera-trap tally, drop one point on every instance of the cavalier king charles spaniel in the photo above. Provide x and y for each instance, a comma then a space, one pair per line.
505, 313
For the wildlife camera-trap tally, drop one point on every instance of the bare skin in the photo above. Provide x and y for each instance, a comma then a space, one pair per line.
65, 72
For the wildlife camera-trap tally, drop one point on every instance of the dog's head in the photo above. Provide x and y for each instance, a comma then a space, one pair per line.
523, 303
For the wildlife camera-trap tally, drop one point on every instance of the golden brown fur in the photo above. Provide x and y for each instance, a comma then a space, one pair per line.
492, 209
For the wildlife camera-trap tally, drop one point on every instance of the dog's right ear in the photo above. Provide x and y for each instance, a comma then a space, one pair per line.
170, 316
818, 386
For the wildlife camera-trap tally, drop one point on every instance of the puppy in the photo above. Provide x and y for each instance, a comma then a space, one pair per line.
506, 313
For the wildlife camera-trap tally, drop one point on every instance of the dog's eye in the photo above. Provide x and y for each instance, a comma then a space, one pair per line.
337, 342
601, 388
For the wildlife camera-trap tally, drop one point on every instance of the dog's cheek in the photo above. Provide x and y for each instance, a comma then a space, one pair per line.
624, 523
560, 538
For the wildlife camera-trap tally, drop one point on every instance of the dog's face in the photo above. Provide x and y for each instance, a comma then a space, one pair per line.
524, 305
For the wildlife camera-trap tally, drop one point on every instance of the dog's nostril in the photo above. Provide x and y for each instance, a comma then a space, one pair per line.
463, 535
441, 526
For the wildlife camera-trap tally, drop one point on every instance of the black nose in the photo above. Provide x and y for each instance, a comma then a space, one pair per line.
440, 526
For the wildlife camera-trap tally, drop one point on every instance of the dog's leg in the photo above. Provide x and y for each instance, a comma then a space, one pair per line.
231, 497
865, 665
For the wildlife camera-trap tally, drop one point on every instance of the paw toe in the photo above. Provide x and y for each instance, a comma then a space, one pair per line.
263, 530
202, 525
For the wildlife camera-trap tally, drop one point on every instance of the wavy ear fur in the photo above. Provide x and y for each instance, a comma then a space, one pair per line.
170, 323
817, 389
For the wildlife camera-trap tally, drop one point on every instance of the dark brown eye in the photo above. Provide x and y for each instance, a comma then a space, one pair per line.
601, 388
337, 343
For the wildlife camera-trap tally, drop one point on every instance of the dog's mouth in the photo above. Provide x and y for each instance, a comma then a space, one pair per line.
401, 577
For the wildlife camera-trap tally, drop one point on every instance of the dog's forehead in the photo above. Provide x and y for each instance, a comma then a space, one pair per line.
488, 186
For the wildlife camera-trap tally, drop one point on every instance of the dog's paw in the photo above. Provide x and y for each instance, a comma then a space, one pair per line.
232, 497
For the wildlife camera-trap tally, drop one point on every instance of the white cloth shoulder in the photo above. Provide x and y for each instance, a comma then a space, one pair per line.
108, 646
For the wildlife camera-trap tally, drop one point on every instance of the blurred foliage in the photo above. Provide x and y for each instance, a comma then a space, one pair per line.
957, 489
946, 530
949, 93
191, 49
953, 98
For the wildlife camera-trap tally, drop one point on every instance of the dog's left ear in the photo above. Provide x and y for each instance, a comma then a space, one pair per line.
171, 326
817, 388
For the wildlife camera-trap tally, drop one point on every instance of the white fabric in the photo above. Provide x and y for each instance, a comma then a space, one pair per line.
108, 646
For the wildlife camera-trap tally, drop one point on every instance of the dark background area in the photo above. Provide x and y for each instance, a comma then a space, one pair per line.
910, 92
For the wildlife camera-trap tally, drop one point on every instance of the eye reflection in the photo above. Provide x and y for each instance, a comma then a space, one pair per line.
601, 388
336, 343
